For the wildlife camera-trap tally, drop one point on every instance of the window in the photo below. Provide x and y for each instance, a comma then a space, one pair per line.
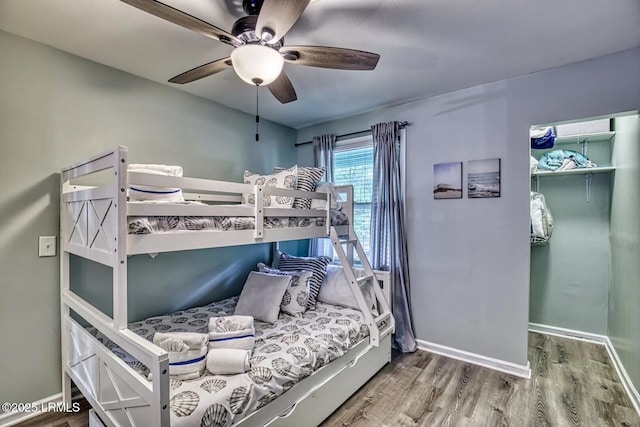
353, 165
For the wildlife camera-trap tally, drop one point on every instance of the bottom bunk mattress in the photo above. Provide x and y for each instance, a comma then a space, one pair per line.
285, 352
167, 224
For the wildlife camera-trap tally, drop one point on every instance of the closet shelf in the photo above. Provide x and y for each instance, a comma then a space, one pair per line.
591, 137
577, 171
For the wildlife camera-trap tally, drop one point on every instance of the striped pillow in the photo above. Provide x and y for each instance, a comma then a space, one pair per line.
317, 267
308, 177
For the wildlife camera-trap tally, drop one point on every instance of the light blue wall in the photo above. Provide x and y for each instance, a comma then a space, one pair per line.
624, 294
56, 109
469, 259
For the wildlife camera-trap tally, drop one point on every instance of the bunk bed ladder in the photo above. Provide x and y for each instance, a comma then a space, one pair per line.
383, 323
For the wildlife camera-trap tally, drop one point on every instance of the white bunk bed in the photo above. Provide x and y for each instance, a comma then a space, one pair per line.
94, 226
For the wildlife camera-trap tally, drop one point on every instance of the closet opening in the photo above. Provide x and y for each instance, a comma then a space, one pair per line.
585, 235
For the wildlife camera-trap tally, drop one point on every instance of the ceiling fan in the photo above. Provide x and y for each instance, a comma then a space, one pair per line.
259, 51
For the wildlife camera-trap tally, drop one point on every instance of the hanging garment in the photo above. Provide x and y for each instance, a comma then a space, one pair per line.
541, 220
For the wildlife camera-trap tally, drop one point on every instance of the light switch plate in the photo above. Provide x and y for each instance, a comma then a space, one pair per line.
47, 246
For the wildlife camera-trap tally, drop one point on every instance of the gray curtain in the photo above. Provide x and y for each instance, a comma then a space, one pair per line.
388, 232
323, 146
323, 157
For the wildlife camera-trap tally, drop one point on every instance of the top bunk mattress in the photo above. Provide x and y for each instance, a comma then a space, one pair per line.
285, 353
168, 224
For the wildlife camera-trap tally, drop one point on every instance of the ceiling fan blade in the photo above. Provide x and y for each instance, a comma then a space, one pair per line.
202, 71
330, 57
277, 17
183, 19
282, 89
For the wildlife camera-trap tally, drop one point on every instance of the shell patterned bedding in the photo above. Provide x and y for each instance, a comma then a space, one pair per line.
285, 352
164, 224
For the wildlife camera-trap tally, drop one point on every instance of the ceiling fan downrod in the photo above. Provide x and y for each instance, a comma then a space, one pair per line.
257, 113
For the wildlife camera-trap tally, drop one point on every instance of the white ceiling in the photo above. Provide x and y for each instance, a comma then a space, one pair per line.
426, 47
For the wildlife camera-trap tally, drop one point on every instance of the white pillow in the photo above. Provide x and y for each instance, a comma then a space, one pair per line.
329, 188
336, 290
286, 178
148, 192
296, 297
261, 296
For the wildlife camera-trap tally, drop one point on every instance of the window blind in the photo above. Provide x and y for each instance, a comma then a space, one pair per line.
353, 165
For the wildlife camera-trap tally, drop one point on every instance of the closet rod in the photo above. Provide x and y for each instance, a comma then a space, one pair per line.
402, 125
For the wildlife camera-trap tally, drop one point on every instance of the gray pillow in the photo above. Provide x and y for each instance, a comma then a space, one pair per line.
261, 296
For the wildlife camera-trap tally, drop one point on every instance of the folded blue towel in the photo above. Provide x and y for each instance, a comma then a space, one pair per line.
554, 159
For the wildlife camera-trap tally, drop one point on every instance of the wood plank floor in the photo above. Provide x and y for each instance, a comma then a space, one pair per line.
573, 383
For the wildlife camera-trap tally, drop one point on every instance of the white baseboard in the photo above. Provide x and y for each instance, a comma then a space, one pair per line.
568, 333
632, 392
12, 418
624, 378
521, 371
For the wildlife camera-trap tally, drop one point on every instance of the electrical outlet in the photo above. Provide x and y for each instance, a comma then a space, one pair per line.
47, 246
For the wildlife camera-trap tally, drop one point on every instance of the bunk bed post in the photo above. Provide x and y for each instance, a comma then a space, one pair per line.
349, 212
64, 287
120, 255
259, 212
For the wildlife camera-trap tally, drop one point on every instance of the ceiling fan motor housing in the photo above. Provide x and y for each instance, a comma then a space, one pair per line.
245, 30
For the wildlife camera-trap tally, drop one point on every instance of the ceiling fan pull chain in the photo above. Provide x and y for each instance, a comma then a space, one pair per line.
257, 116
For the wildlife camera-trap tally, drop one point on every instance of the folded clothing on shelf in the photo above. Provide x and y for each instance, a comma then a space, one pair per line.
561, 160
542, 138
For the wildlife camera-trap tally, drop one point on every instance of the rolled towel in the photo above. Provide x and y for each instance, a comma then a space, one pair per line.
187, 353
164, 169
227, 361
139, 192
236, 332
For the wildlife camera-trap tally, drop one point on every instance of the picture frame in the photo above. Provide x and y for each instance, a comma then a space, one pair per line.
484, 178
447, 180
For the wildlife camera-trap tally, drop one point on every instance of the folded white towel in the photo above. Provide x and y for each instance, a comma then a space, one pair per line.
164, 169
187, 353
236, 332
227, 361
230, 323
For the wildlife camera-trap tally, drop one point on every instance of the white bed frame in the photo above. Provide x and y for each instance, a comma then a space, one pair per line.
93, 225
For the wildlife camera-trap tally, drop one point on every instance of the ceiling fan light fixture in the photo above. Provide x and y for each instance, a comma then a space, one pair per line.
257, 64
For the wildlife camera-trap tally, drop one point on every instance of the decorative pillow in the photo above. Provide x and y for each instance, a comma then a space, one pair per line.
296, 297
308, 177
147, 192
336, 290
317, 266
284, 179
261, 296
329, 188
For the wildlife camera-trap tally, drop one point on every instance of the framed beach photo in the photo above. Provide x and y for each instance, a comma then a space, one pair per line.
447, 180
483, 178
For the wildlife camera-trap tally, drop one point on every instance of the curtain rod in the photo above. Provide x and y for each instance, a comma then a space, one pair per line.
401, 125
